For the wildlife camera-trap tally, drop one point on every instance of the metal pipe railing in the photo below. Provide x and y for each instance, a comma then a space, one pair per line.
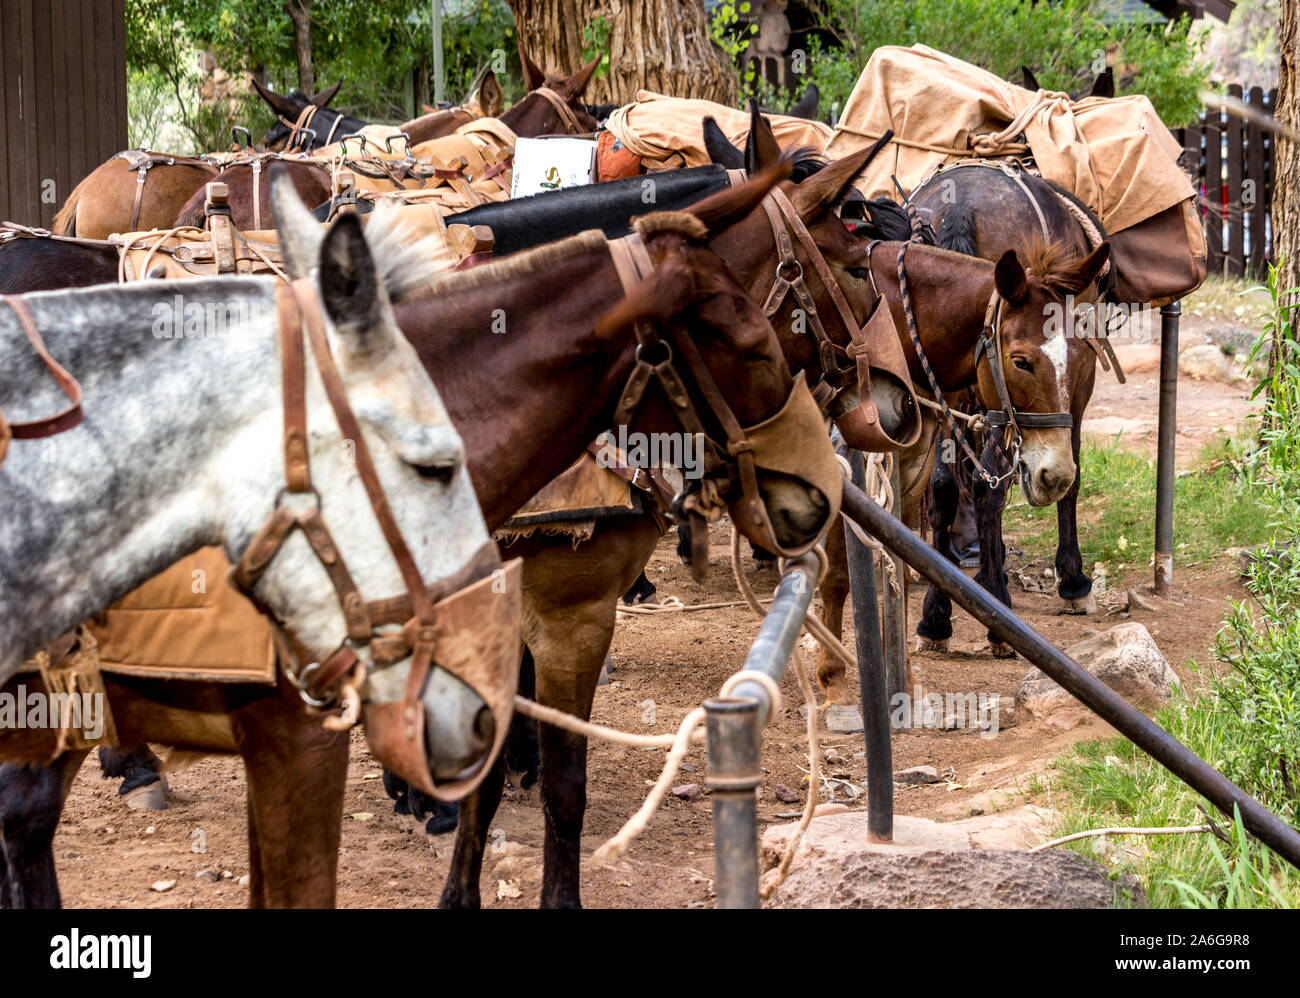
1092, 692
1164, 553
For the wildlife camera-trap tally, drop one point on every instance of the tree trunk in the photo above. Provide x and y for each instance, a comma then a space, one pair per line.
1286, 185
660, 45
299, 12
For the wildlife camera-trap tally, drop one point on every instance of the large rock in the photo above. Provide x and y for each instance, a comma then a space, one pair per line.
975, 878
1206, 362
1125, 658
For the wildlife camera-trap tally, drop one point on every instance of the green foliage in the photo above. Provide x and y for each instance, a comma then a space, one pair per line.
1066, 43
595, 40
1244, 716
381, 49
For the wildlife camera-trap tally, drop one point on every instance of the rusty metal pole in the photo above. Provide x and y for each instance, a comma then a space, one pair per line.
1164, 572
871, 678
734, 776
895, 611
1083, 685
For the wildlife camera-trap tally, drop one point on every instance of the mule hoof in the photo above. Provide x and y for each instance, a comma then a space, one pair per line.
842, 719
1084, 606
151, 797
999, 650
604, 673
939, 645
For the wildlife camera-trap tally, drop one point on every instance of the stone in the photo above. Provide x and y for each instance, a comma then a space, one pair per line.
932, 864
1137, 600
162, 886
687, 791
917, 775
1205, 363
1125, 658
785, 794
977, 878
208, 876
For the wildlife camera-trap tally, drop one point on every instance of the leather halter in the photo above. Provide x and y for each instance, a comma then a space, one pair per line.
990, 347
567, 117
50, 425
298, 305
303, 125
741, 449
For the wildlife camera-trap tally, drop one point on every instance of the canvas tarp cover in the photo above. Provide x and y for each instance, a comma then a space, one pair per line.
668, 132
1115, 154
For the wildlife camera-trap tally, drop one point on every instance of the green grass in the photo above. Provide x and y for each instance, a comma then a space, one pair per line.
1215, 508
1227, 300
1112, 784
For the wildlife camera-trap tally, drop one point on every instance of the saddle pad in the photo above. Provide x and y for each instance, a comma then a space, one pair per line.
187, 623
584, 490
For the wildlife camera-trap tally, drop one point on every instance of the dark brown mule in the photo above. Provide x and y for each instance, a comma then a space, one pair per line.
115, 197
985, 211
488, 102
563, 376
571, 594
1043, 375
250, 192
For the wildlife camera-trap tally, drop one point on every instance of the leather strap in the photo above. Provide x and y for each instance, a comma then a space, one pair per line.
567, 117
256, 167
141, 175
69, 417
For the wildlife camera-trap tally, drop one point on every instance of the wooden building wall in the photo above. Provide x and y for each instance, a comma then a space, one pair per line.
62, 99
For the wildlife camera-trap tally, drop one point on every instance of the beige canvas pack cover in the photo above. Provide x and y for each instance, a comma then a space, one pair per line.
668, 132
1115, 154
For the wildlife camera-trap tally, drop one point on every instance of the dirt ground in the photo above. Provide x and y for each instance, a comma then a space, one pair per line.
109, 856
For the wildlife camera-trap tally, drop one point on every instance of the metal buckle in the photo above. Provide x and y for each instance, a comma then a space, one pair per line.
300, 681
781, 264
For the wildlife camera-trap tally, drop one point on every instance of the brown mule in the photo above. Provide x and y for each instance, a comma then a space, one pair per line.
120, 197
1043, 375
564, 377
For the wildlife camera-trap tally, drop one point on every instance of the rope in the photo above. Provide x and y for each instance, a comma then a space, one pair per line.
1179, 830
673, 604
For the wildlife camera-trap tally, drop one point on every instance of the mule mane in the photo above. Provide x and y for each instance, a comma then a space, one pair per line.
408, 258
516, 265
679, 222
1054, 265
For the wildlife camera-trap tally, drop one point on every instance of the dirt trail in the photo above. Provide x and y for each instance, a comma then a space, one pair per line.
109, 856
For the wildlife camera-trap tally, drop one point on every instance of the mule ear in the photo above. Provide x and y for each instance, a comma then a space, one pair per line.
825, 189
1104, 84
351, 290
1087, 269
323, 98
656, 299
1009, 278
1028, 80
533, 77
806, 106
573, 87
719, 147
300, 233
278, 103
761, 148
720, 211
491, 98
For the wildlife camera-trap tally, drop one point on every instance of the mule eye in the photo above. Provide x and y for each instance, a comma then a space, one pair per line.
1022, 364
440, 473
859, 273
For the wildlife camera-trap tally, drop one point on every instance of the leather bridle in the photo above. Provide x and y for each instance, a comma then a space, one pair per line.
745, 449
50, 425
561, 106
414, 611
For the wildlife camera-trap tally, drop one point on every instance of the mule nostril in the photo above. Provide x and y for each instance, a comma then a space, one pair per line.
485, 728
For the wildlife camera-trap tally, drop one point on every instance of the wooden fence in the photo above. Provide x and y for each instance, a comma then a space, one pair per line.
1231, 160
62, 99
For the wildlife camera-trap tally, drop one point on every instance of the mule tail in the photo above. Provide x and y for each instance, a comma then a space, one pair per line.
65, 220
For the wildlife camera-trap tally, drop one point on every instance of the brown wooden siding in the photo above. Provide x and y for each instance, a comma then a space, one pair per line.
62, 99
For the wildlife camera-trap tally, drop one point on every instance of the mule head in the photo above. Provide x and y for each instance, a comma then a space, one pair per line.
691, 293
420, 462
534, 115
289, 107
1047, 368
489, 98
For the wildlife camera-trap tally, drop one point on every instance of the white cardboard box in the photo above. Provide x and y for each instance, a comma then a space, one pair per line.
551, 164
